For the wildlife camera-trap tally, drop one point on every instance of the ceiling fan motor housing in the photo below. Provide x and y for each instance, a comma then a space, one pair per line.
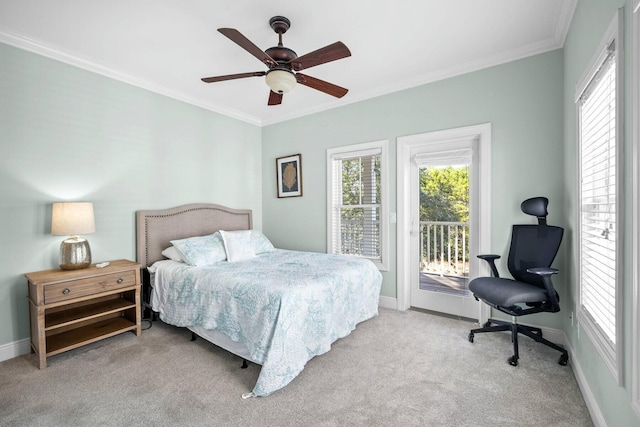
281, 54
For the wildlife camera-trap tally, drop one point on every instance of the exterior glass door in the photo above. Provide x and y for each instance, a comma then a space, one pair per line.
444, 229
442, 233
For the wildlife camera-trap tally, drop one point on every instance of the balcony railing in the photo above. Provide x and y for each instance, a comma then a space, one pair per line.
444, 248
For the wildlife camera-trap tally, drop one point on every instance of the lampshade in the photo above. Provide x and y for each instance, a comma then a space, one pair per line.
73, 218
280, 81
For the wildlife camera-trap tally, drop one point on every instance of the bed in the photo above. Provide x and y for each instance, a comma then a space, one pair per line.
274, 307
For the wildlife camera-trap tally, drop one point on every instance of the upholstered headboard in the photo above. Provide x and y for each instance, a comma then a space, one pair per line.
156, 228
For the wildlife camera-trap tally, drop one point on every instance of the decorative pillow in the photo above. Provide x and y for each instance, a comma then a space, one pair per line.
201, 250
260, 242
238, 245
172, 253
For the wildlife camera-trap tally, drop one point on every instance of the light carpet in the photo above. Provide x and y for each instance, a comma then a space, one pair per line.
399, 368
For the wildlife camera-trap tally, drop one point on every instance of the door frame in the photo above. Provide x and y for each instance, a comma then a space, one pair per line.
482, 133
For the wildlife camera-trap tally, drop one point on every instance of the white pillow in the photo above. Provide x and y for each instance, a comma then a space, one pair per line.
237, 245
172, 253
201, 250
260, 242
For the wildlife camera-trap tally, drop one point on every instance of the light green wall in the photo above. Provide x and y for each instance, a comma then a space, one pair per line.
521, 99
69, 134
590, 22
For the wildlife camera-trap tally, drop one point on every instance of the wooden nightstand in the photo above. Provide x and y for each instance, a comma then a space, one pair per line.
71, 308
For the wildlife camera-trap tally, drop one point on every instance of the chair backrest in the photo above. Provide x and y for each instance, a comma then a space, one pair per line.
533, 245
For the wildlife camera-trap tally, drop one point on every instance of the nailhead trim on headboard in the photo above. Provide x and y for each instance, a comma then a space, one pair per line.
184, 221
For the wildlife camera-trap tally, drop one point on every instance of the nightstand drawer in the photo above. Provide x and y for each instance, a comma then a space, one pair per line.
88, 286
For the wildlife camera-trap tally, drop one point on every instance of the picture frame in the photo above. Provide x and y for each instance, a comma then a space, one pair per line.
289, 176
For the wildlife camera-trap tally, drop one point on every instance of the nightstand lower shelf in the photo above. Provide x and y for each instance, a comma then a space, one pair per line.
103, 306
78, 337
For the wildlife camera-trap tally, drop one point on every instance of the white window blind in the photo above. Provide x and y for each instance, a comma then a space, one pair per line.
598, 198
356, 203
457, 157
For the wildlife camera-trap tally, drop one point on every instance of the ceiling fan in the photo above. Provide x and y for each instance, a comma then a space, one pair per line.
284, 64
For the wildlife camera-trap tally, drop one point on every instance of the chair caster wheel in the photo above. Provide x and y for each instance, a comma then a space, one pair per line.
471, 335
563, 359
487, 324
513, 361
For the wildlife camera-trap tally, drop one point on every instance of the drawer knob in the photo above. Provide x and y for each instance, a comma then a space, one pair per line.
66, 291
120, 280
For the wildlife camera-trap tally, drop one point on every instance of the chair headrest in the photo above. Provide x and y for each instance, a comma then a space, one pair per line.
536, 206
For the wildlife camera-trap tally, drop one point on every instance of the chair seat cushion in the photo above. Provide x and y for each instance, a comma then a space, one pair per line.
506, 292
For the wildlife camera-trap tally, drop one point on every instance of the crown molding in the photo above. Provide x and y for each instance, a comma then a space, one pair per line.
565, 17
431, 77
57, 53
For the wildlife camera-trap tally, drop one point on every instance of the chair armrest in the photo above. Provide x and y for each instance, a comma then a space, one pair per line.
545, 273
490, 259
542, 271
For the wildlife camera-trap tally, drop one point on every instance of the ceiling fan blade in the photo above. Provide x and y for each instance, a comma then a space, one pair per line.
321, 85
233, 76
325, 54
274, 98
236, 37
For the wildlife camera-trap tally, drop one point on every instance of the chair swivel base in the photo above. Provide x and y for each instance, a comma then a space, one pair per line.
515, 328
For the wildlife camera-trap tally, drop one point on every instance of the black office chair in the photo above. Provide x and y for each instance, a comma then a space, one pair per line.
533, 248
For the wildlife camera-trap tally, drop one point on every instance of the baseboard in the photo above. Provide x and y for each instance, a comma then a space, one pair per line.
14, 349
556, 336
388, 302
587, 394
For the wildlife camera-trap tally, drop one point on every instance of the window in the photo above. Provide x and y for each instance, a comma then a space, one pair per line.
357, 201
600, 234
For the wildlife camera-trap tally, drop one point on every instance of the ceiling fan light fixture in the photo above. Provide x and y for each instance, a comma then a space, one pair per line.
280, 81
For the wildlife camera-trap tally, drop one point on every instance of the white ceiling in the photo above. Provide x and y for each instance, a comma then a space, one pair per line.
167, 45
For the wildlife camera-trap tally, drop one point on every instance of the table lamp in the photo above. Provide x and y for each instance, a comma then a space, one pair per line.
73, 218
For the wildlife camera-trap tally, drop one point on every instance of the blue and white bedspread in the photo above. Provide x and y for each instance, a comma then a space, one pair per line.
284, 306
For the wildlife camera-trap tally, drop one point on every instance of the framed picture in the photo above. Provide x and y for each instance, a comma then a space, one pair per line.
289, 174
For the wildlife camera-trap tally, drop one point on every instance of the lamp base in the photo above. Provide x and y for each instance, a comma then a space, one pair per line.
75, 253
